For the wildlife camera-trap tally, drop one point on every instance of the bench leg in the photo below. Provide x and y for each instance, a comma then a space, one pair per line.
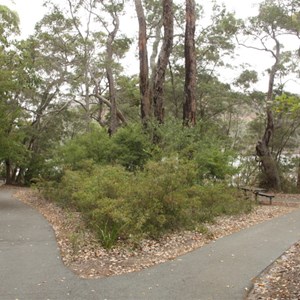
256, 198
270, 200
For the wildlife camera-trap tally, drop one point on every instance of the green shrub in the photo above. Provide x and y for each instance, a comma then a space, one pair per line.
130, 147
94, 145
213, 163
201, 144
158, 193
220, 199
163, 197
109, 220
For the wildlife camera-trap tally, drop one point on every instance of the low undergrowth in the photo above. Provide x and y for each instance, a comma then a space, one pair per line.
163, 197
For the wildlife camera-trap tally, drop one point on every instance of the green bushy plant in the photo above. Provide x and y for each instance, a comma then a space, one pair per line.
220, 199
163, 197
201, 144
213, 163
94, 145
131, 147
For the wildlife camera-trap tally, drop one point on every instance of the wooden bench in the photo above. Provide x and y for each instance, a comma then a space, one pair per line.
251, 189
257, 192
270, 196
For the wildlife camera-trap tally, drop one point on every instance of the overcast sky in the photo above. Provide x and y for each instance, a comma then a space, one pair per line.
31, 11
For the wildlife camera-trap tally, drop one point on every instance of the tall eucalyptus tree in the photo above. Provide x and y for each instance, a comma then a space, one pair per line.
152, 86
163, 60
144, 64
114, 8
96, 45
189, 106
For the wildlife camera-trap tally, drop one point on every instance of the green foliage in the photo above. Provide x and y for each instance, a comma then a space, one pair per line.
287, 104
277, 14
129, 147
129, 97
11, 134
246, 78
94, 145
203, 145
9, 24
117, 204
214, 163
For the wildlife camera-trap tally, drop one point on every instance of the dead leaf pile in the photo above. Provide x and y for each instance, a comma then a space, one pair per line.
82, 253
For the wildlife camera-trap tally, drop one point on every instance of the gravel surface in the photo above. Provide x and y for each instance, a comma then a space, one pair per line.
82, 253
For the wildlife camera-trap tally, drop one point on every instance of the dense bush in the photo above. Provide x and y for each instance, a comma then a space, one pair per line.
203, 145
129, 188
165, 196
94, 145
129, 147
213, 163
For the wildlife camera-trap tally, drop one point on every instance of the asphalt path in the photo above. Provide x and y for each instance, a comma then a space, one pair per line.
31, 267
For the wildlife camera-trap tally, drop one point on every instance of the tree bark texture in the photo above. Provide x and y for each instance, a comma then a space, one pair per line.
8, 176
163, 60
144, 66
269, 167
113, 126
189, 106
298, 176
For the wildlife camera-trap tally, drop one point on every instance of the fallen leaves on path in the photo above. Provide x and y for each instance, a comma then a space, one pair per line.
82, 253
281, 280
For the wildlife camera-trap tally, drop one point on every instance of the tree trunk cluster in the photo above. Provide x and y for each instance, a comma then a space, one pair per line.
144, 67
163, 60
152, 90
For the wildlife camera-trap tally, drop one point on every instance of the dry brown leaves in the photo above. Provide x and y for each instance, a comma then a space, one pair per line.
81, 252
281, 280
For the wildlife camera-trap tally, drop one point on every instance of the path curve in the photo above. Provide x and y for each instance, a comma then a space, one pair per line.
31, 267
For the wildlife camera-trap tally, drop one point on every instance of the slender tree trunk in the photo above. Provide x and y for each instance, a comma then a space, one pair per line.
189, 106
163, 60
87, 102
113, 126
155, 48
269, 167
8, 176
174, 96
144, 66
109, 73
298, 176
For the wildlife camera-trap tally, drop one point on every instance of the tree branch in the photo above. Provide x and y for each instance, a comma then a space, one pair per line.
107, 102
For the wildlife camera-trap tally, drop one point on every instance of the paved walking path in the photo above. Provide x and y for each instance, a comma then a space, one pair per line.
31, 268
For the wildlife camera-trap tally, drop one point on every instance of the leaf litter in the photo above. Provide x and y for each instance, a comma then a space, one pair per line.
83, 254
